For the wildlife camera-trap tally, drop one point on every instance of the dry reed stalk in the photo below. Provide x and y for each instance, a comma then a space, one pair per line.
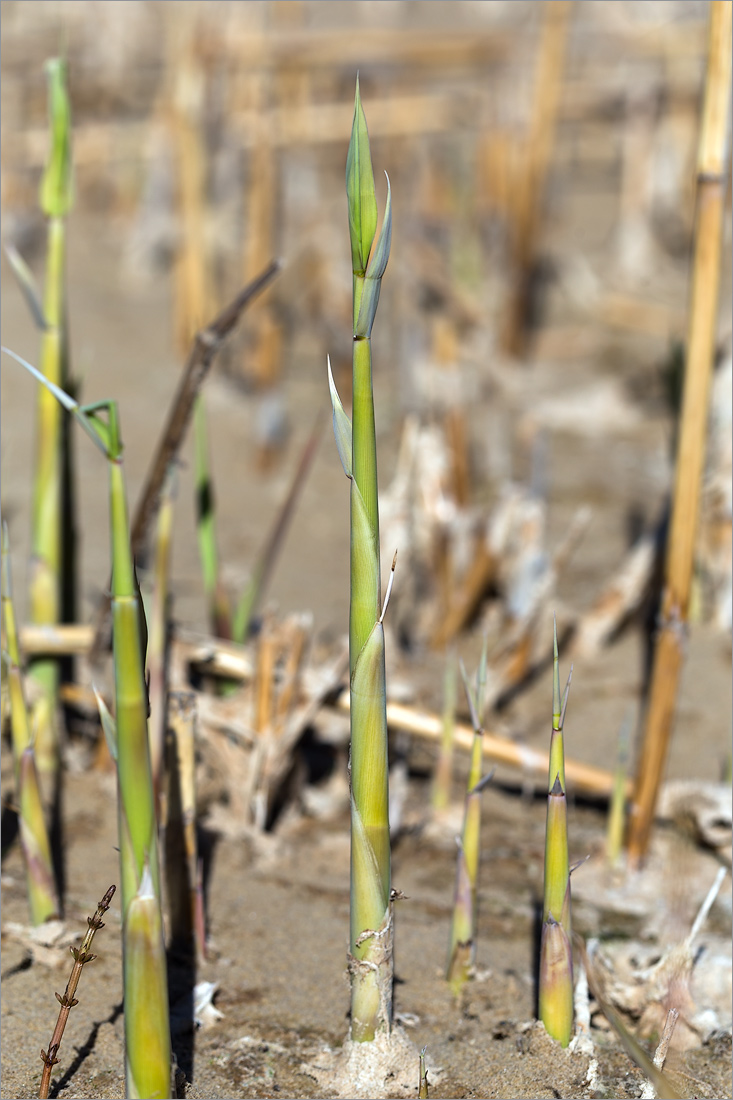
468, 597
531, 183
231, 661
668, 654
263, 365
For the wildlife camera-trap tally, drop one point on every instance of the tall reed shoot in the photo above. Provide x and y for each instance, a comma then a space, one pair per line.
556, 956
47, 536
147, 1029
370, 959
42, 897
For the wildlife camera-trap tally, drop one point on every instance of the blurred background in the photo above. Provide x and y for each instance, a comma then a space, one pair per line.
542, 163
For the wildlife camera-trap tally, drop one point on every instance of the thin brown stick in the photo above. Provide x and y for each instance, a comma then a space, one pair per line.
205, 346
81, 955
668, 656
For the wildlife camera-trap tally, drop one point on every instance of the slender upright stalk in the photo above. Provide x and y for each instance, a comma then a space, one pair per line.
147, 1029
42, 896
158, 644
712, 168
371, 910
556, 957
444, 766
219, 614
462, 951
47, 531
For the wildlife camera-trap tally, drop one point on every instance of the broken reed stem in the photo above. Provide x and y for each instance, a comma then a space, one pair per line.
81, 955
668, 654
231, 661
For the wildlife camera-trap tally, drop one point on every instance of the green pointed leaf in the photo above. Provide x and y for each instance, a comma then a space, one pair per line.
109, 726
360, 190
375, 271
341, 425
27, 285
68, 402
56, 184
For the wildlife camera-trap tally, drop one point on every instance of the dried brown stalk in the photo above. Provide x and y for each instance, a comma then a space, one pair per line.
668, 656
205, 346
81, 955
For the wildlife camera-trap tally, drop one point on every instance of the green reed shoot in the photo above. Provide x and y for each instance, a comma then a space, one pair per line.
617, 808
42, 896
147, 1029
47, 538
219, 612
444, 767
556, 956
462, 950
371, 910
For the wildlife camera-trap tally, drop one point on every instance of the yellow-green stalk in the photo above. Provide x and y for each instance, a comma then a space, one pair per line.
444, 766
219, 614
370, 960
42, 896
556, 956
617, 808
462, 950
47, 533
147, 1031
158, 641
422, 1088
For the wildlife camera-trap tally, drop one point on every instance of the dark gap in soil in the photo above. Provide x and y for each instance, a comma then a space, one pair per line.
83, 1052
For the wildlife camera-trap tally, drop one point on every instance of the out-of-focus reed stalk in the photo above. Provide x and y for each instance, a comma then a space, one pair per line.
370, 960
617, 805
147, 1029
185, 902
712, 168
462, 950
157, 655
444, 767
556, 956
81, 956
42, 896
219, 612
47, 537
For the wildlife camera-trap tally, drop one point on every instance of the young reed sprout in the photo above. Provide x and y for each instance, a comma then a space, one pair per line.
42, 897
370, 960
556, 957
444, 766
147, 1030
47, 537
617, 808
462, 950
219, 612
422, 1088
